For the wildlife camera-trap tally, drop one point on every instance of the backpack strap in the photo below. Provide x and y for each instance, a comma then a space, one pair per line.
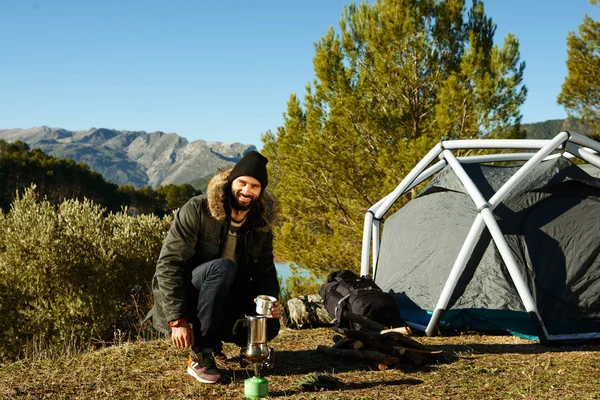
339, 308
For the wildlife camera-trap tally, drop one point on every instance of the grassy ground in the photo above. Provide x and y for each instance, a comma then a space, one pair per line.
475, 367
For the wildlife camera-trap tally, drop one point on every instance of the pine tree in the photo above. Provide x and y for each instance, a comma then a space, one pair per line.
580, 94
399, 76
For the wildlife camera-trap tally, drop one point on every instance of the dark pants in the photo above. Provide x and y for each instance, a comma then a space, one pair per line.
216, 304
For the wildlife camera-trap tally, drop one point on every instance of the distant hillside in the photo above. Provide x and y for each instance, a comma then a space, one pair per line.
135, 157
549, 129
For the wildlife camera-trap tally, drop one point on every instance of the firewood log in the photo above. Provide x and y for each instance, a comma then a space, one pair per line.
404, 330
375, 342
432, 353
405, 341
344, 343
371, 355
374, 325
382, 366
357, 345
413, 357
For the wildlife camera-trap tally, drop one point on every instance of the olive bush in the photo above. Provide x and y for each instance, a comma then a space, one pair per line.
70, 274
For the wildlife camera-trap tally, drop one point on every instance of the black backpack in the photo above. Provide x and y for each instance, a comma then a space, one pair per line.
346, 291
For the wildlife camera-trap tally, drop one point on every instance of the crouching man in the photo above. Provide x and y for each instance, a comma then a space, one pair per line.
217, 257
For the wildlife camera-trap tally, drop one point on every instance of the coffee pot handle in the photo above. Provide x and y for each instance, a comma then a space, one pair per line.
242, 322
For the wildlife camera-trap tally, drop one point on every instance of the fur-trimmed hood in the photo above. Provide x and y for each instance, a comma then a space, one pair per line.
216, 192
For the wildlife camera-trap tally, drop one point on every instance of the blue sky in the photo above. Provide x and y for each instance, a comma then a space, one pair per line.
212, 70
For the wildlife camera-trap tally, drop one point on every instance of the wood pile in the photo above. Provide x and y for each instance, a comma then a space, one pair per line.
375, 342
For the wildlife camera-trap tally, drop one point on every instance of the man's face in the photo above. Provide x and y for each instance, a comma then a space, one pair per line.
245, 191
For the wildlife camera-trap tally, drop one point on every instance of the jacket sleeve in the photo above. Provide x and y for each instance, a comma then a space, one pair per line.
178, 248
266, 278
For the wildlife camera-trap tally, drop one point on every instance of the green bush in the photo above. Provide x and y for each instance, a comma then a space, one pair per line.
69, 274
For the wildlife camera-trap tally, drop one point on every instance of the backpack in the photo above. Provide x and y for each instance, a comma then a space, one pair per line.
305, 312
346, 291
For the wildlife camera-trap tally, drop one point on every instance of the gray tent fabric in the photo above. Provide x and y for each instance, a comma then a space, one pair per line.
551, 222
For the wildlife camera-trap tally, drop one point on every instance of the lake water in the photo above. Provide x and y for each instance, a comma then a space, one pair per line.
283, 270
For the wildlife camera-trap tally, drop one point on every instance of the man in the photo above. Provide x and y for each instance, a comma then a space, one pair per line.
217, 257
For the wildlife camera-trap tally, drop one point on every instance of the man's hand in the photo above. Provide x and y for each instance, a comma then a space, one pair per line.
182, 336
275, 311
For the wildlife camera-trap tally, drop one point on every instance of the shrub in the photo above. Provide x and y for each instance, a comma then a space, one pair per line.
68, 273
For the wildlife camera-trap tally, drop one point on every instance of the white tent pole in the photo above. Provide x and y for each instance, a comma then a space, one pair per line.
499, 240
527, 167
424, 175
495, 144
464, 178
383, 205
511, 265
416, 171
455, 273
364, 258
497, 158
376, 244
434, 169
477, 227
585, 141
464, 160
478, 224
376, 206
583, 154
376, 231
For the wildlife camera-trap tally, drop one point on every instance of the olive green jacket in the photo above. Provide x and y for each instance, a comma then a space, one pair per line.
197, 235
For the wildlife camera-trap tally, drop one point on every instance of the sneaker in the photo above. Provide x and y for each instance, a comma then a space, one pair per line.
220, 356
202, 367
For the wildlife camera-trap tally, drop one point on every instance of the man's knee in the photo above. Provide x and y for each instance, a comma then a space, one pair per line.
224, 267
221, 270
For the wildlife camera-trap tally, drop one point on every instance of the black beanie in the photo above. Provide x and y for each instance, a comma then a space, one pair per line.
252, 164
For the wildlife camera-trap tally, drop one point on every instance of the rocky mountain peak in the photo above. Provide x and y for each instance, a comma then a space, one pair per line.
138, 158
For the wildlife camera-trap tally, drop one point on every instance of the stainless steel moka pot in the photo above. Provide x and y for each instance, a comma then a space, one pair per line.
257, 351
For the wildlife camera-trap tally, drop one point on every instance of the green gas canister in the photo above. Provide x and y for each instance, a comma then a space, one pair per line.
256, 388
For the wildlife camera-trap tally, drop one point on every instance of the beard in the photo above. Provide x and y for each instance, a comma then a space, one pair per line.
235, 198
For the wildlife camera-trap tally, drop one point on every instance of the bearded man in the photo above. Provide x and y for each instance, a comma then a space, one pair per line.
217, 257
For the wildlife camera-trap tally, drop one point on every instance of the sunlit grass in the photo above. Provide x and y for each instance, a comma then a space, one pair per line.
475, 366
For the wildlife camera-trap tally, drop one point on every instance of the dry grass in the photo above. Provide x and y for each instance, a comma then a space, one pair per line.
475, 367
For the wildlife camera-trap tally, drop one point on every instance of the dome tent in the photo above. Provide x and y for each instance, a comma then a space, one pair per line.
534, 271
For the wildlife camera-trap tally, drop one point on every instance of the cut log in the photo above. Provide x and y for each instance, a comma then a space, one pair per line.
371, 355
430, 353
382, 366
405, 341
378, 342
357, 345
404, 330
343, 343
415, 358
374, 325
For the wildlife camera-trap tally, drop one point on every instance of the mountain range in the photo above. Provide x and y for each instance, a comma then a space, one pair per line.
152, 159
135, 157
